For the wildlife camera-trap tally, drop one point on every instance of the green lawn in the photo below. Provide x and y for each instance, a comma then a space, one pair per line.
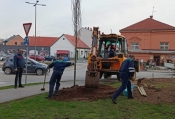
37, 107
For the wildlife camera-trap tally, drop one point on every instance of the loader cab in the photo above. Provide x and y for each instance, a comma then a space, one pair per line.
119, 44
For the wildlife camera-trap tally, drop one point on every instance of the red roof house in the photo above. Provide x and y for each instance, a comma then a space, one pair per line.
80, 43
42, 41
66, 46
150, 39
148, 25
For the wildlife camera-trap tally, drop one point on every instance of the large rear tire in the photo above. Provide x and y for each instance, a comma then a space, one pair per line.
118, 77
101, 75
105, 75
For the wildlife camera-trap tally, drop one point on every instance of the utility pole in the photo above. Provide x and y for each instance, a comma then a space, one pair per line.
35, 4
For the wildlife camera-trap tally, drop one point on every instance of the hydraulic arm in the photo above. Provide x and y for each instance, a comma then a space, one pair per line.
93, 73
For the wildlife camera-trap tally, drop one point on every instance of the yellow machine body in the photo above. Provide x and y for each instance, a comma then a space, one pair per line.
100, 63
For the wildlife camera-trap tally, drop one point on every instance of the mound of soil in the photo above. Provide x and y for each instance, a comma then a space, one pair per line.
82, 93
157, 90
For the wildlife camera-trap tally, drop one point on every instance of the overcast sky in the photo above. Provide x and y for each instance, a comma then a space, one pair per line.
56, 17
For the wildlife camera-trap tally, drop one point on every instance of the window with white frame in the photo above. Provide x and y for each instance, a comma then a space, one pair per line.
135, 45
164, 45
81, 52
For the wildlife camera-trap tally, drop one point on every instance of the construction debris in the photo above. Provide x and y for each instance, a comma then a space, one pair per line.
140, 88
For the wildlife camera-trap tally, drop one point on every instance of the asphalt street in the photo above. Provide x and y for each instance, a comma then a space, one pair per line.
68, 75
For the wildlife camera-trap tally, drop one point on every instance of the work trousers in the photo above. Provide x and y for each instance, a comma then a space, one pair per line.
55, 78
125, 84
18, 76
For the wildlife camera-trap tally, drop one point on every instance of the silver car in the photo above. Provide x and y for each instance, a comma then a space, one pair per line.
32, 67
2, 57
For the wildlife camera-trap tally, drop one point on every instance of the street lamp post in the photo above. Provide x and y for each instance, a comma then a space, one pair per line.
35, 4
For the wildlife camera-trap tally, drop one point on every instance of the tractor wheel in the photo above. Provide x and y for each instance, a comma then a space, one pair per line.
118, 77
101, 75
105, 75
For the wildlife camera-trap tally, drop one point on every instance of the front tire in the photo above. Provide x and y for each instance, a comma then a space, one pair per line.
7, 71
39, 72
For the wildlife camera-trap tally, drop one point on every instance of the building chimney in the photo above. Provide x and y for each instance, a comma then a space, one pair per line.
88, 28
151, 16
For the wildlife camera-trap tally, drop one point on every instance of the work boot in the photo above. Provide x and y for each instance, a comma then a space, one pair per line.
21, 86
131, 97
55, 94
113, 100
47, 97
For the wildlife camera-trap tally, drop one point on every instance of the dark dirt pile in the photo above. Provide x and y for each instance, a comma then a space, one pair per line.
82, 93
157, 90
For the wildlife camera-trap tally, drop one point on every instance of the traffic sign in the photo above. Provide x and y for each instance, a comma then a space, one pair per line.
27, 27
26, 41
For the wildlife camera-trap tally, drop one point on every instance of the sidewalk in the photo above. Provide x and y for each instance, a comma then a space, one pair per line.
158, 71
13, 94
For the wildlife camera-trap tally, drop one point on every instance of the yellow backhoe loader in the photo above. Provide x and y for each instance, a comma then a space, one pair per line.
101, 61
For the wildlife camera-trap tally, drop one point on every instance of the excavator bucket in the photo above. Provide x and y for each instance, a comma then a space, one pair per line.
92, 79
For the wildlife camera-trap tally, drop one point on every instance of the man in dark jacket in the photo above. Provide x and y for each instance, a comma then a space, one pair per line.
19, 65
126, 74
58, 70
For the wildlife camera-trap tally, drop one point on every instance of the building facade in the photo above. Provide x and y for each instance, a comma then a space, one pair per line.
16, 40
56, 46
86, 35
41, 44
66, 46
151, 40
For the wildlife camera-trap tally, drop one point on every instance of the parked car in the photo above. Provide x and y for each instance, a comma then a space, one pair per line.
2, 57
38, 57
66, 59
50, 58
9, 55
32, 66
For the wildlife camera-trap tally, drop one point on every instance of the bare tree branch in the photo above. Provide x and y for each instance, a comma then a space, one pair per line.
76, 18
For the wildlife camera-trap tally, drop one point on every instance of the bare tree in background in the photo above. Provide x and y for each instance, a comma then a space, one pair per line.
76, 18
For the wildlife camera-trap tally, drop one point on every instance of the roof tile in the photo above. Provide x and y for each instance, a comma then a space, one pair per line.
42, 41
147, 25
80, 43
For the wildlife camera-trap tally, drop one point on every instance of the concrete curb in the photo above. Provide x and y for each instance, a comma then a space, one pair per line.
159, 71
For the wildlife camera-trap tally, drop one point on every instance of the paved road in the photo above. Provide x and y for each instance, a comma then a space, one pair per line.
68, 75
